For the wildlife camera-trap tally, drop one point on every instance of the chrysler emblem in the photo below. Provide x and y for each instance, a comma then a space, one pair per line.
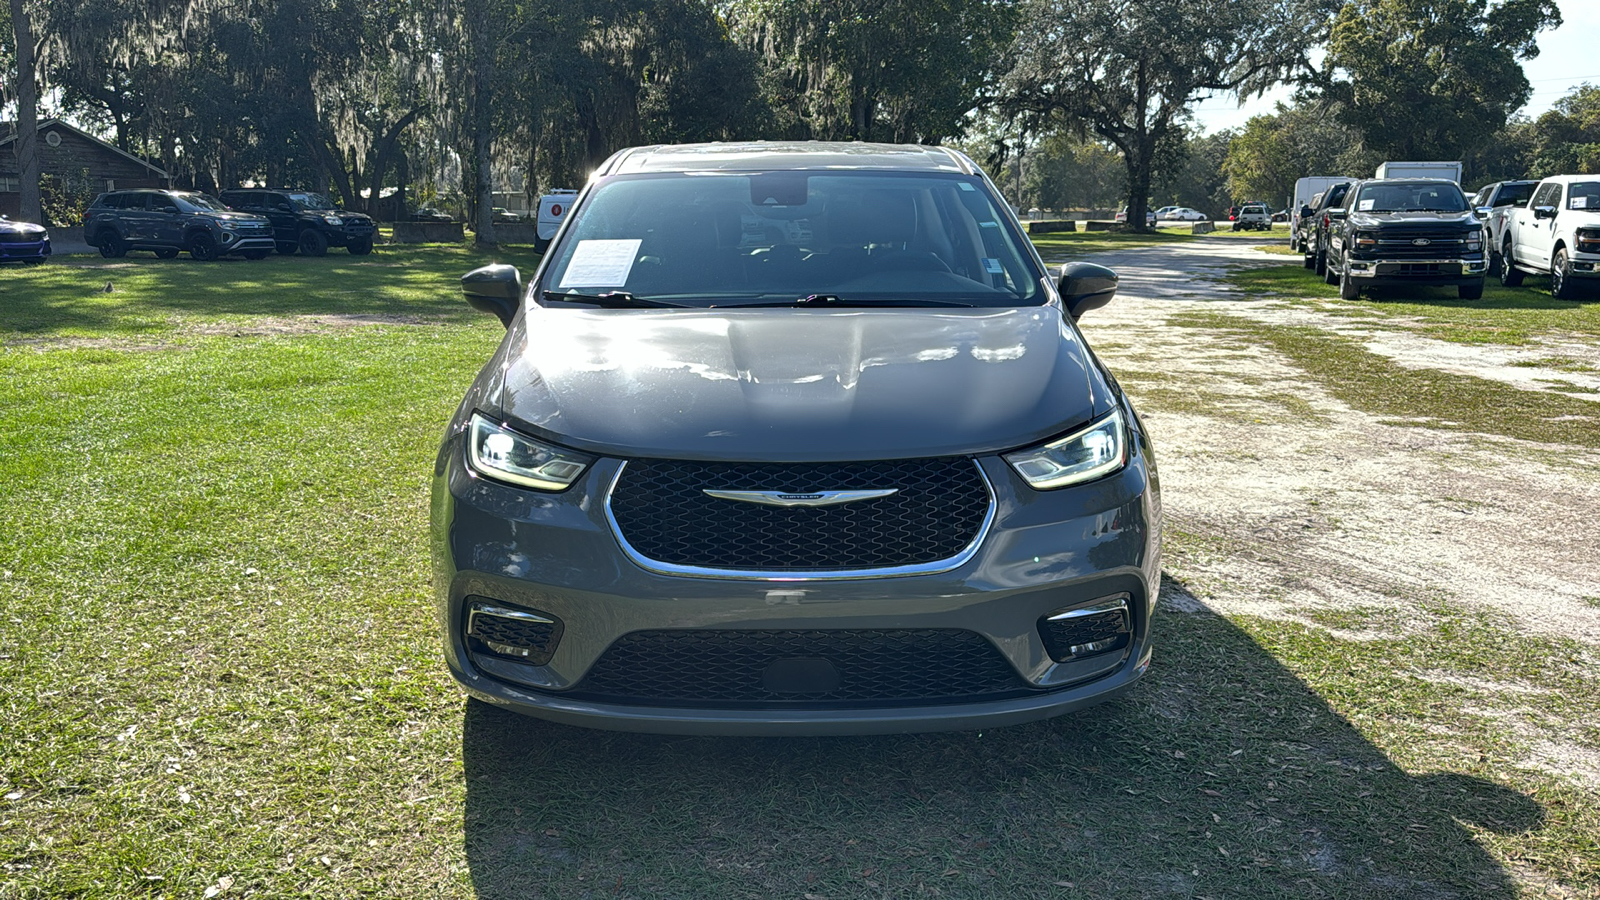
1421, 242
814, 498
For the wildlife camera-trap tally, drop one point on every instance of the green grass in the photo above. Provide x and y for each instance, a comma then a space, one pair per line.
1509, 316
219, 669
1079, 244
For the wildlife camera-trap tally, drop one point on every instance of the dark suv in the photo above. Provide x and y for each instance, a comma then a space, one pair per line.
305, 221
1406, 231
168, 222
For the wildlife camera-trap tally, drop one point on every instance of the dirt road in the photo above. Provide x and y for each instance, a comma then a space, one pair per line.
1289, 503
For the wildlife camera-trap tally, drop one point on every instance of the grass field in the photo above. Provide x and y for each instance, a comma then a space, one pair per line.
220, 675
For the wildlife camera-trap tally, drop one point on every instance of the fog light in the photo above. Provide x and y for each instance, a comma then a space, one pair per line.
514, 634
1583, 267
1101, 627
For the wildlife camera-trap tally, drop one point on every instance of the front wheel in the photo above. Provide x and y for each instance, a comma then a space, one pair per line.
1562, 284
1470, 291
360, 248
1510, 275
203, 247
1319, 262
1494, 264
1329, 276
1348, 289
312, 243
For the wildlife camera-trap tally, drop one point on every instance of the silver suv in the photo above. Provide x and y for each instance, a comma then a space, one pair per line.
794, 438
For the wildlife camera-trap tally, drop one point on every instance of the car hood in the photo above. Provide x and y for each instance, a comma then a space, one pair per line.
9, 227
1420, 219
795, 385
235, 217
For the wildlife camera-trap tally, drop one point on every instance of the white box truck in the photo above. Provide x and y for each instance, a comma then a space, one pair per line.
1304, 190
1450, 170
552, 209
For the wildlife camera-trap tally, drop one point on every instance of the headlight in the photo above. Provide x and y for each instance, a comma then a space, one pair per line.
333, 220
1589, 241
1366, 241
507, 456
1091, 453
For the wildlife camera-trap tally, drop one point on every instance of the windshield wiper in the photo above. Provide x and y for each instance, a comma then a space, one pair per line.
837, 302
612, 300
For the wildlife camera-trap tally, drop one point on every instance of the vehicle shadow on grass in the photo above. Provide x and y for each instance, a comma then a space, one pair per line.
1221, 775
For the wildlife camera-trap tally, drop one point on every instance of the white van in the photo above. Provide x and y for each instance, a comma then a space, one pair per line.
552, 208
1304, 190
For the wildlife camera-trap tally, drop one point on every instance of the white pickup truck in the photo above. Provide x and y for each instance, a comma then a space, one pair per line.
1556, 233
1495, 204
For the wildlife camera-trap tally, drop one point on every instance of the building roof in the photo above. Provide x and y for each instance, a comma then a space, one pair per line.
58, 123
756, 156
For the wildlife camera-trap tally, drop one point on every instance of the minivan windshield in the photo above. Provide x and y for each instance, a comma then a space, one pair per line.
1404, 196
770, 238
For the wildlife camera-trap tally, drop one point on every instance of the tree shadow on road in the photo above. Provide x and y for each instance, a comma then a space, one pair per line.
1221, 775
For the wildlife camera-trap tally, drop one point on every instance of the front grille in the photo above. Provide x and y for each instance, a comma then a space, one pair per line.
800, 668
16, 238
1447, 244
661, 510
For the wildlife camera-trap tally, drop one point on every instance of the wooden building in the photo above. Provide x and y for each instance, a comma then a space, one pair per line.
74, 157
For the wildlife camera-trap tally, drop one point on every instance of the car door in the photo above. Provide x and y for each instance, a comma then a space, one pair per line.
279, 210
1536, 238
166, 220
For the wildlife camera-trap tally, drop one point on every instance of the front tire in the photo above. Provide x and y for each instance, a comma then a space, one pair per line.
1329, 276
203, 247
1562, 284
312, 243
1495, 264
1470, 291
360, 248
1510, 275
1348, 289
1319, 263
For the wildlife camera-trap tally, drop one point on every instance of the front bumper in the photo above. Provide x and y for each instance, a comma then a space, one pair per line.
238, 242
557, 555
25, 251
1583, 265
1445, 271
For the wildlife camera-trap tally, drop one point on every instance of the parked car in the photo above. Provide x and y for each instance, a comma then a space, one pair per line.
1162, 212
430, 214
504, 216
23, 242
738, 465
1253, 217
553, 208
1557, 234
1412, 231
1281, 215
166, 222
1182, 214
1495, 204
1316, 222
1149, 216
304, 221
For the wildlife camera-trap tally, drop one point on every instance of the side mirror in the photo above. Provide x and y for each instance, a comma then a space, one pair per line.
1085, 286
1337, 213
1483, 212
1305, 211
284, 207
169, 209
1544, 212
494, 289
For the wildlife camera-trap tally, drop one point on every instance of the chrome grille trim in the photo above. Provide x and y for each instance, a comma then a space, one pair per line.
931, 568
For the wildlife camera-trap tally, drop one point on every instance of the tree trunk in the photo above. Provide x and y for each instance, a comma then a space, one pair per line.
482, 41
27, 143
381, 155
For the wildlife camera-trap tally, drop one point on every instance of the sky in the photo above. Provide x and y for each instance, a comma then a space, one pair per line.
1567, 58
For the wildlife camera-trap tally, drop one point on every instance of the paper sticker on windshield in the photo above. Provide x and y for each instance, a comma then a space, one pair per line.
992, 265
990, 224
601, 264
1579, 203
1366, 205
965, 186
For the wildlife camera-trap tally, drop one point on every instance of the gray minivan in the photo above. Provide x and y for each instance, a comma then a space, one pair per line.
794, 438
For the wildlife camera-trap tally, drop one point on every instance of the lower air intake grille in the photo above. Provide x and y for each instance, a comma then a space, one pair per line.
510, 633
800, 668
1090, 631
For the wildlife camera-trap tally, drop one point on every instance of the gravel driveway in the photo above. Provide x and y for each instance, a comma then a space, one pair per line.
1309, 505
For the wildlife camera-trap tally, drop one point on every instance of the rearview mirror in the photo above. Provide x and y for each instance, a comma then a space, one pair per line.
1085, 286
494, 289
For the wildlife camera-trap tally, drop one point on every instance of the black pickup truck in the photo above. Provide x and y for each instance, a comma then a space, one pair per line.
1406, 231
